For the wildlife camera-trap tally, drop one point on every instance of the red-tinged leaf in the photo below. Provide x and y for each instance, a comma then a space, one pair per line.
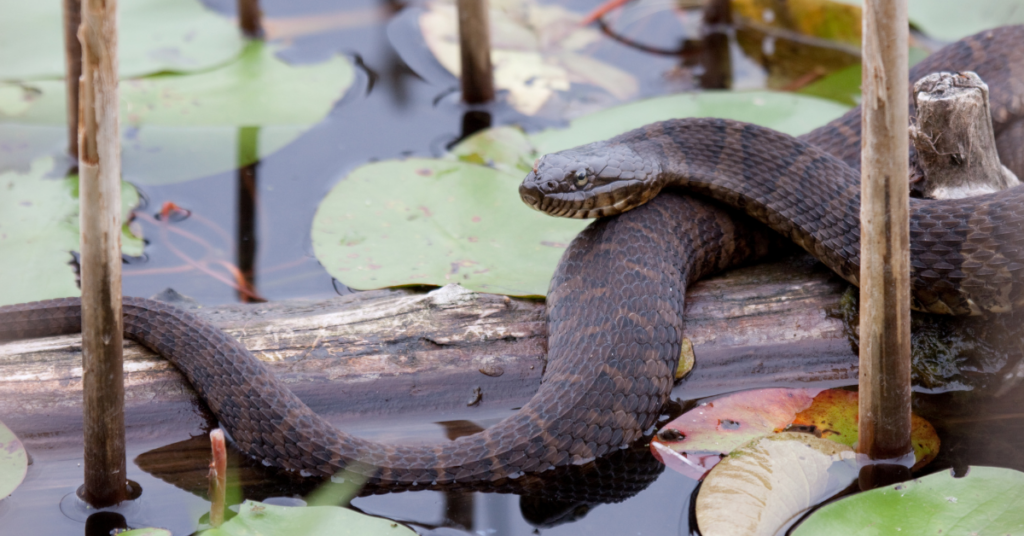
693, 443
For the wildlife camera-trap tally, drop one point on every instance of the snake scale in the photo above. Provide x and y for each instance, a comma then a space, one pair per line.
615, 304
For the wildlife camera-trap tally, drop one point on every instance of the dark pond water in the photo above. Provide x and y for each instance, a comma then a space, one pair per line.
261, 222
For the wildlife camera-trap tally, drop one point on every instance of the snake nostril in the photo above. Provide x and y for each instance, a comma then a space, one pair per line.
550, 185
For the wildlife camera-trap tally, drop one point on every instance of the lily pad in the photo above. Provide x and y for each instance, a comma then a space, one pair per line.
153, 36
953, 19
146, 532
271, 520
694, 442
39, 230
436, 222
13, 461
988, 500
785, 112
537, 52
763, 487
833, 415
177, 127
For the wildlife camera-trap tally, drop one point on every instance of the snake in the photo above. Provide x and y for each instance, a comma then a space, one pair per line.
615, 303
967, 255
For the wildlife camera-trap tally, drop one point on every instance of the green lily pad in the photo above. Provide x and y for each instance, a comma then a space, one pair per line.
785, 112
270, 520
146, 532
434, 222
39, 230
179, 127
953, 19
13, 461
153, 36
988, 500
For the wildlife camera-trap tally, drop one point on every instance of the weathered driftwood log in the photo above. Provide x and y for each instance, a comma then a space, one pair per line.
953, 136
474, 356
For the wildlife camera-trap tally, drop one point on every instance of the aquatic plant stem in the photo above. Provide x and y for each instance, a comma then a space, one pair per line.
884, 425
475, 47
72, 68
249, 16
99, 166
218, 477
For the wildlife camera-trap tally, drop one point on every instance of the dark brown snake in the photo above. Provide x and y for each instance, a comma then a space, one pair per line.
615, 305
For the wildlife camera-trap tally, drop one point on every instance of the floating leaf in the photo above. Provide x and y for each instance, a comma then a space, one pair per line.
13, 461
833, 415
39, 230
256, 518
177, 128
504, 148
153, 36
988, 500
146, 532
435, 222
536, 52
824, 19
950, 19
763, 487
694, 442
785, 112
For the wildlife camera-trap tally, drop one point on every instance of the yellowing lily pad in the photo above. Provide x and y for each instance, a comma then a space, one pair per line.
833, 415
39, 230
256, 518
180, 127
153, 36
987, 500
13, 461
435, 222
945, 19
764, 487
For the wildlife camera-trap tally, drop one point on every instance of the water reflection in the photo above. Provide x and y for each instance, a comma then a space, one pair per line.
248, 160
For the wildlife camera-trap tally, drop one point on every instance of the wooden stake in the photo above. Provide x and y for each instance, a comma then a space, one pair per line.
475, 46
249, 18
72, 68
99, 166
885, 244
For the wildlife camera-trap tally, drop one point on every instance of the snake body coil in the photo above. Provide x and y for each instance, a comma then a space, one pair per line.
616, 301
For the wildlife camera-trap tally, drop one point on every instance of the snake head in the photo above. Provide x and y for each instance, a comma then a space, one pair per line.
599, 179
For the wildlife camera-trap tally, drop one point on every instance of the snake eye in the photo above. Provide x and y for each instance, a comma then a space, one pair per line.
581, 177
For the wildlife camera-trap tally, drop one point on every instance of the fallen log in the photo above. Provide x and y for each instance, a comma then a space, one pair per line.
467, 355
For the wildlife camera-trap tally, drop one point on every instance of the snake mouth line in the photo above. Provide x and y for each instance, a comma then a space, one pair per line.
605, 200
